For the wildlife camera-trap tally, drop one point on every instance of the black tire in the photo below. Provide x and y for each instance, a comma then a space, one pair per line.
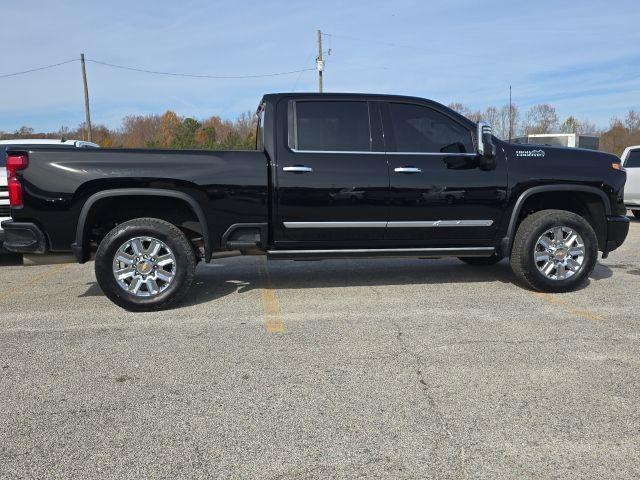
481, 261
185, 263
636, 213
531, 229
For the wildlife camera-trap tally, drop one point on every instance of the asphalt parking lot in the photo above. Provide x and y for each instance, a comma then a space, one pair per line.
332, 369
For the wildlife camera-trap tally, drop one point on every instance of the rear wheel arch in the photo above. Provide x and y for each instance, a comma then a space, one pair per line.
586, 201
81, 247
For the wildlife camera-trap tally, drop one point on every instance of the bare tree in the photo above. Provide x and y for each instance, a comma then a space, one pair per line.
570, 125
587, 126
464, 110
461, 108
541, 118
501, 122
512, 113
632, 121
492, 116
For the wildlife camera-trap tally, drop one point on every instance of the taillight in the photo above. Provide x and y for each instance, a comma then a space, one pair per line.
15, 162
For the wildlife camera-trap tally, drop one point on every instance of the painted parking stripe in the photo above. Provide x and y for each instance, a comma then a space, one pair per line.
34, 281
568, 307
272, 316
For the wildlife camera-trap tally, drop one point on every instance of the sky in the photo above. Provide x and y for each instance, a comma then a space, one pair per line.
583, 57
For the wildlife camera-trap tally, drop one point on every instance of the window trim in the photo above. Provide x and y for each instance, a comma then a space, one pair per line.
388, 123
292, 126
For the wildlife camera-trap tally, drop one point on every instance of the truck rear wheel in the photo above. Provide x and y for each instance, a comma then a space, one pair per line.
145, 264
554, 251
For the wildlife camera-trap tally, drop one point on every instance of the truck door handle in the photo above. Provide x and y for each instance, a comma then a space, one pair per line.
297, 169
407, 169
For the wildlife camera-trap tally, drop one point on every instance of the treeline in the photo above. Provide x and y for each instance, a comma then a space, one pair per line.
169, 131
173, 131
543, 118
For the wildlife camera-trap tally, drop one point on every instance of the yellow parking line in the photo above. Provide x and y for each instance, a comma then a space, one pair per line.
35, 280
272, 317
568, 307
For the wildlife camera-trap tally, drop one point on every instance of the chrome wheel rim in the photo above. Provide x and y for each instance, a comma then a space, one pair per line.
559, 253
144, 266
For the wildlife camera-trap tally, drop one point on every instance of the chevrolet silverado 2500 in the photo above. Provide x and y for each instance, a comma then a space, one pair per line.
333, 176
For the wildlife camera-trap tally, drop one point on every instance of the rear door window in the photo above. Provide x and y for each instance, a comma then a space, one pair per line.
330, 126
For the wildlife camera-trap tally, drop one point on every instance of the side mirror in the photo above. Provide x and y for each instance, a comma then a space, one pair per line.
486, 147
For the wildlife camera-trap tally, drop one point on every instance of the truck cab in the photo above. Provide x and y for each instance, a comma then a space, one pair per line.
420, 181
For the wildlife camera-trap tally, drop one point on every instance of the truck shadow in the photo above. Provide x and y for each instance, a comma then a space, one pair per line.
10, 259
220, 279
242, 275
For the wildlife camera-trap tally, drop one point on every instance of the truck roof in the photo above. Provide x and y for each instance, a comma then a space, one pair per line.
382, 97
379, 96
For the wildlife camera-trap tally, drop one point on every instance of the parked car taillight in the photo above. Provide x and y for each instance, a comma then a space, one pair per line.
15, 162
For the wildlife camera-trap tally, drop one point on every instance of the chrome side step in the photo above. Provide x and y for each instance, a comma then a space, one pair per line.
380, 253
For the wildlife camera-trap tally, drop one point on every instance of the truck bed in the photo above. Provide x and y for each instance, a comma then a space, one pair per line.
229, 186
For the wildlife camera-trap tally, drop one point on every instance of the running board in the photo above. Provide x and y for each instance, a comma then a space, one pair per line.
380, 253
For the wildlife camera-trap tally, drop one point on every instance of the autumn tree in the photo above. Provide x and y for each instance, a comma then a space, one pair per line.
165, 137
139, 130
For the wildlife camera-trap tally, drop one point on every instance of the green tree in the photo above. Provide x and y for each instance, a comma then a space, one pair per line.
185, 134
207, 137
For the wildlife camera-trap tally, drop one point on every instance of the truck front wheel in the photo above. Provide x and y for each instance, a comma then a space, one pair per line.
145, 264
554, 251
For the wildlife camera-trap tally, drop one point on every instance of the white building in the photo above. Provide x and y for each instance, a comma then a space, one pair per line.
561, 140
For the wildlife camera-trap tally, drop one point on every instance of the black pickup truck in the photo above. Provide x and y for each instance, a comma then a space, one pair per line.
333, 176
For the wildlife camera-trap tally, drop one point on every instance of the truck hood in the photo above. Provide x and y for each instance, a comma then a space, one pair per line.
530, 165
545, 155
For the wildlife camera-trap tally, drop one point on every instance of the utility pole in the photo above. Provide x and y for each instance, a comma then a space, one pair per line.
510, 123
320, 61
86, 98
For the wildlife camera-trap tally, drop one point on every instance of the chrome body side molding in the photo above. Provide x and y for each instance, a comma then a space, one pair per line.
401, 224
441, 223
335, 224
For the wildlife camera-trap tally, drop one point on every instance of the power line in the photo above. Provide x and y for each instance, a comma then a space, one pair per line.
37, 68
156, 72
193, 75
309, 58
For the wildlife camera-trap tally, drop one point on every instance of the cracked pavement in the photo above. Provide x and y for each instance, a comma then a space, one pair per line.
378, 369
